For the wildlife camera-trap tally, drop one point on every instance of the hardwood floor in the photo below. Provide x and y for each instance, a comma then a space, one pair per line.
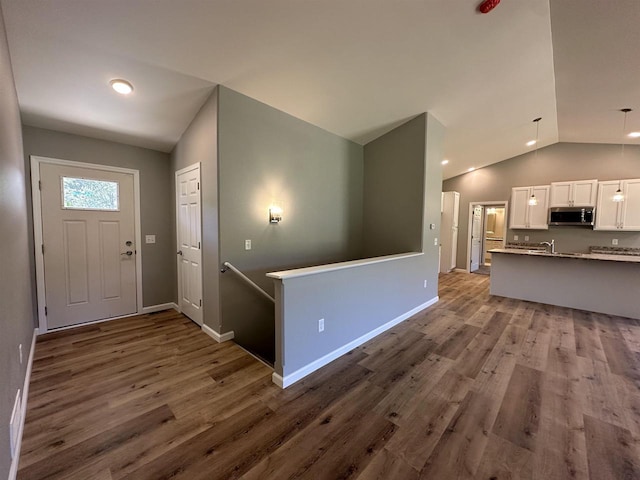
475, 387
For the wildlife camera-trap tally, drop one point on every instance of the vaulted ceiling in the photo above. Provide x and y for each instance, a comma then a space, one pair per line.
355, 68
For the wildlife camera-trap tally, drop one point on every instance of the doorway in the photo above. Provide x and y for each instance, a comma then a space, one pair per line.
86, 229
487, 230
189, 241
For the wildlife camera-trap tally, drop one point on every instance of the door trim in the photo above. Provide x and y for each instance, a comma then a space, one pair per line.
36, 161
194, 166
497, 203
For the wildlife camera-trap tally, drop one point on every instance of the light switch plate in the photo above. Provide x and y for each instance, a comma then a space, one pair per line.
247, 244
614, 241
526, 238
150, 239
515, 238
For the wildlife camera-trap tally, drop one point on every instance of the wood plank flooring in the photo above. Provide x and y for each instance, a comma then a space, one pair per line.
475, 387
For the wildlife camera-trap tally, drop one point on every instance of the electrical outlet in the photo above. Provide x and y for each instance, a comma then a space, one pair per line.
614, 241
515, 238
425, 284
435, 241
20, 353
247, 244
150, 239
321, 325
526, 238
14, 424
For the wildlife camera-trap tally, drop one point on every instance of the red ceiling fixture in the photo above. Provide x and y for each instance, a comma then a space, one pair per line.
488, 5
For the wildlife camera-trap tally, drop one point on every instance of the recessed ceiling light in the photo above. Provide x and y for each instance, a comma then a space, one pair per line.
531, 143
121, 86
471, 169
444, 162
634, 134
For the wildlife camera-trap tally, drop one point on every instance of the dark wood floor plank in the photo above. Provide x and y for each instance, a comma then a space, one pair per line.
612, 451
519, 414
424, 425
457, 342
386, 466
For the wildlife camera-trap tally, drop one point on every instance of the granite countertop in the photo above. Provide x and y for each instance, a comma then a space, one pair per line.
613, 257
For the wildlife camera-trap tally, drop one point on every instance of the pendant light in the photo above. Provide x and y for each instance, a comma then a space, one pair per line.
533, 201
619, 196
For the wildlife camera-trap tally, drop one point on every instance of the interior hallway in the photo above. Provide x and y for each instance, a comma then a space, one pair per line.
474, 387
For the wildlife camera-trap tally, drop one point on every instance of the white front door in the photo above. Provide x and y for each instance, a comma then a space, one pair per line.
89, 251
476, 238
189, 238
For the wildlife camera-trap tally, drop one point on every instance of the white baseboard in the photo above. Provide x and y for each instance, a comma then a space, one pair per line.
160, 307
287, 380
13, 471
218, 337
461, 270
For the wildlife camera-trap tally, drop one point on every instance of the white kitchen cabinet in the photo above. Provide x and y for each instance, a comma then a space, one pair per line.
623, 215
580, 193
449, 231
529, 217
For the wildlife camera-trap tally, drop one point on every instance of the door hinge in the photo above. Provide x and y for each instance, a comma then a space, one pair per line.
200, 302
46, 311
198, 185
43, 248
39, 184
198, 245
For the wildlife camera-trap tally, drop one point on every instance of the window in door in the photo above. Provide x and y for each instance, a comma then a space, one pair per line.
88, 194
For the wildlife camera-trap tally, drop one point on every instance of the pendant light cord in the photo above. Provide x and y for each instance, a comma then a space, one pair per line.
624, 129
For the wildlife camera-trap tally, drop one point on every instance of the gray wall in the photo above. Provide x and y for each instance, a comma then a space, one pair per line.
357, 300
16, 314
393, 186
158, 271
268, 156
199, 143
556, 163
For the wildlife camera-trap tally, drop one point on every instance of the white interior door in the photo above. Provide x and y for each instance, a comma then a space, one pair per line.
89, 251
476, 238
189, 233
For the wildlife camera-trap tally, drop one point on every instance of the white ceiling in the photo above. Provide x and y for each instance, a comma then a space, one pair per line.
355, 68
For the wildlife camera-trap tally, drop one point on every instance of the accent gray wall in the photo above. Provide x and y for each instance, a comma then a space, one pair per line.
556, 163
158, 272
199, 143
357, 300
268, 156
16, 315
394, 176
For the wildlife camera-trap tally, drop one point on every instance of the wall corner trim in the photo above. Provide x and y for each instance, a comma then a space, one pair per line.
13, 471
218, 337
160, 307
287, 380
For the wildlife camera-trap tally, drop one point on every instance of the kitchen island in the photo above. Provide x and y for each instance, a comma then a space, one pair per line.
601, 283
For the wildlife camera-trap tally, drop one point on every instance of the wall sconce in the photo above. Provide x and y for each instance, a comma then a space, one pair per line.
275, 214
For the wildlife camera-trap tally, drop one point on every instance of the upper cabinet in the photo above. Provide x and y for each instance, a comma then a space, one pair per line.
581, 193
525, 216
624, 215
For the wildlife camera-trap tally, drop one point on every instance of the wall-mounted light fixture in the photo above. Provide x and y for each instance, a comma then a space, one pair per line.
275, 214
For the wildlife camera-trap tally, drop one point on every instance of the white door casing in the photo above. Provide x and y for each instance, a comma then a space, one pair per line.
189, 242
476, 237
84, 273
472, 205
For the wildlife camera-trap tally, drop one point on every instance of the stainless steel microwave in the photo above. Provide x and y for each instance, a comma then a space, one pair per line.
572, 216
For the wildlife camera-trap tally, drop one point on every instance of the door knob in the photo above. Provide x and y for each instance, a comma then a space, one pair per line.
128, 253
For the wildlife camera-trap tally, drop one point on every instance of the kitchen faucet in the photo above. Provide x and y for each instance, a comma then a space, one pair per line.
551, 245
